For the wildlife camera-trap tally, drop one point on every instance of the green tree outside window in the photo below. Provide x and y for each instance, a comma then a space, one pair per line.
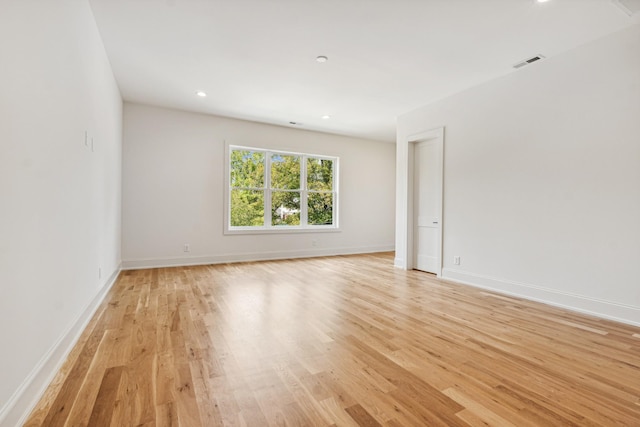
247, 194
279, 190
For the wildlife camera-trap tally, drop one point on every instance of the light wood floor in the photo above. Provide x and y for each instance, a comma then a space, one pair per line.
339, 341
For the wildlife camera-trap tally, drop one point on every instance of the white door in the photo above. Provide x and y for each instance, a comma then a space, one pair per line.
427, 203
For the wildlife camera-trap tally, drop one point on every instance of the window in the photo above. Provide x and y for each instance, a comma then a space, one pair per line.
275, 191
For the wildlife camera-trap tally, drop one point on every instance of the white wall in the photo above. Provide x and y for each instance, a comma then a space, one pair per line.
173, 190
59, 200
542, 179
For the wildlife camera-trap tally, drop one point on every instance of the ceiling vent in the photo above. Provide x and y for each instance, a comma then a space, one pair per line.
630, 7
528, 61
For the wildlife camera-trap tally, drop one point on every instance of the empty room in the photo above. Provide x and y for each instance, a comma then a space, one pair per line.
306, 213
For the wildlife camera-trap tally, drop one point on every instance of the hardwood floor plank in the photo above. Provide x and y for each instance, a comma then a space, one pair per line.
69, 395
81, 410
337, 413
338, 341
107, 395
362, 417
480, 413
166, 415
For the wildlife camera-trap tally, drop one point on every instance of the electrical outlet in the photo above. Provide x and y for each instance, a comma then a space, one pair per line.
456, 260
314, 242
187, 248
99, 273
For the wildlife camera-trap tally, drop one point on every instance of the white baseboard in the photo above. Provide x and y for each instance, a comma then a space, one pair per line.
596, 307
134, 264
19, 406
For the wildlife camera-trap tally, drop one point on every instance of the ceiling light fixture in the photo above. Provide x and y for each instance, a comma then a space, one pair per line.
322, 59
542, 1
201, 94
326, 117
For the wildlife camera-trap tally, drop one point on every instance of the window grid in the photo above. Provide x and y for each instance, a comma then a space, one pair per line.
267, 189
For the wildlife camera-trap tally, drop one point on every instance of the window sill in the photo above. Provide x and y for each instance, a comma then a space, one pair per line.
283, 230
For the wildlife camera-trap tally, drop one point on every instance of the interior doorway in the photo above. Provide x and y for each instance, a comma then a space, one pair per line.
426, 163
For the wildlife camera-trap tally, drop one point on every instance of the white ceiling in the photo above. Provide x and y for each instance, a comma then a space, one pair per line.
256, 58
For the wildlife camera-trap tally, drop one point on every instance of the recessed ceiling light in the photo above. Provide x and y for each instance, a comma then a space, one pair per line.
542, 1
326, 117
322, 59
201, 94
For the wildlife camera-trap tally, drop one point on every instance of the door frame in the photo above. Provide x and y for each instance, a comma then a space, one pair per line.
436, 135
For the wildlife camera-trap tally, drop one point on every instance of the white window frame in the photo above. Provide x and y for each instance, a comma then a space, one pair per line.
268, 228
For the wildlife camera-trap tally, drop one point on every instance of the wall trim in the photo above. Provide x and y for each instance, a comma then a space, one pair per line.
610, 310
27, 396
142, 263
